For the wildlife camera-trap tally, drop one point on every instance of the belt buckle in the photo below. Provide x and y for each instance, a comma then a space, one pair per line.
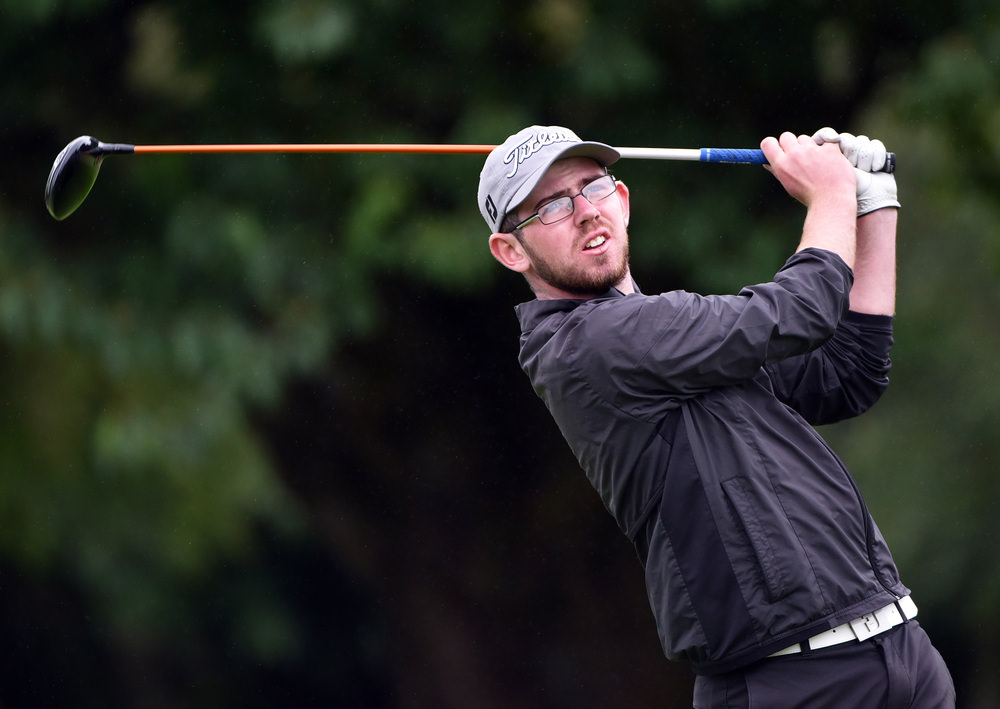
876, 622
864, 627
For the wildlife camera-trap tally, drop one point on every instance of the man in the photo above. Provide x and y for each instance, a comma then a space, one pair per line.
692, 417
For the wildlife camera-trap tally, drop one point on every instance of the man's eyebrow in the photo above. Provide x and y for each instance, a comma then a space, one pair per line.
567, 190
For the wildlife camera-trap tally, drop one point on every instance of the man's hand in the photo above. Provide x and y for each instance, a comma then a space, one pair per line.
819, 177
875, 190
809, 170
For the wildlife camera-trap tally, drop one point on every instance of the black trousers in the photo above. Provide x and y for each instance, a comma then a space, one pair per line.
898, 669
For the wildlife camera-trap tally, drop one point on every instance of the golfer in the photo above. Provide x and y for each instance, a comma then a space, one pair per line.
693, 416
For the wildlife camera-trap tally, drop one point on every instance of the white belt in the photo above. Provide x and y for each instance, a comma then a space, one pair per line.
859, 629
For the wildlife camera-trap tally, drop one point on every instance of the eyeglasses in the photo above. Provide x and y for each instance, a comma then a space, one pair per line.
563, 207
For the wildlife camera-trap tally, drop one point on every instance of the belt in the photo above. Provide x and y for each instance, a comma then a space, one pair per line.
860, 629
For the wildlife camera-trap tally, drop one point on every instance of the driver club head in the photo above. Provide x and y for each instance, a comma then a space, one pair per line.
72, 176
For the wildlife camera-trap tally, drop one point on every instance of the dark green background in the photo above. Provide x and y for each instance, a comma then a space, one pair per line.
263, 438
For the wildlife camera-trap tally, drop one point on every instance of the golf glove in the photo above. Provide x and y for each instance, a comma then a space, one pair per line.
876, 190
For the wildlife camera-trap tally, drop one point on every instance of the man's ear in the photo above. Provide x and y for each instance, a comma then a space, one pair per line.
508, 250
622, 189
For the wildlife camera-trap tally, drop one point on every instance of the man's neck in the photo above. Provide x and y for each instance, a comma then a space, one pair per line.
544, 291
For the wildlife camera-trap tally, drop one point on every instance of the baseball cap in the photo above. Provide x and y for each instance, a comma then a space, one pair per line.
514, 168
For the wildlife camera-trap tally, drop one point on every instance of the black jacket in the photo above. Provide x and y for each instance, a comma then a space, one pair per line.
691, 416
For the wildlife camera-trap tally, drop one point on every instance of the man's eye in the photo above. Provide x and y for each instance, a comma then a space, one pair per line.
553, 208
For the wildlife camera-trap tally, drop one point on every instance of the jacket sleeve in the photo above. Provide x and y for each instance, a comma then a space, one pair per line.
841, 379
683, 344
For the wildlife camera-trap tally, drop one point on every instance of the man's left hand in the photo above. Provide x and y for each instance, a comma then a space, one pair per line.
876, 190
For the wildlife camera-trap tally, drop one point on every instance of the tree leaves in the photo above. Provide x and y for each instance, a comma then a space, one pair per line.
223, 363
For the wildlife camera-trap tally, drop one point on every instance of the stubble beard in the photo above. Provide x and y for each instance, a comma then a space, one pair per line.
579, 282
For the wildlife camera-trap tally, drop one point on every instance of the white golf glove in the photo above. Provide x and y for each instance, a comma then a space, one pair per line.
876, 190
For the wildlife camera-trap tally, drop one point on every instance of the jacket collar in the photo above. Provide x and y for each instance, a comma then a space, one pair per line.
531, 313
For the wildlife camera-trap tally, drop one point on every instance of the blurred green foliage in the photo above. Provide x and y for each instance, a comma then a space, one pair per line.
262, 437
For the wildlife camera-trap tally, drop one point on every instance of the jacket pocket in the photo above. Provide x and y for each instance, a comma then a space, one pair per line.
777, 582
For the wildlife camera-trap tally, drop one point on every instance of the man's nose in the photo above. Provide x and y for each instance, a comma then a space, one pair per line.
584, 211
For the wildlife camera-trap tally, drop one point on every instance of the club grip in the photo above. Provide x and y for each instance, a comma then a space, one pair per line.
744, 156
748, 156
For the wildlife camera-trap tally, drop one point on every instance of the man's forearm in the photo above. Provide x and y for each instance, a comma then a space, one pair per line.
874, 289
830, 225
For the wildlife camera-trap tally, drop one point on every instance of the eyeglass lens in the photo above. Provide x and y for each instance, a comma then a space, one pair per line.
559, 209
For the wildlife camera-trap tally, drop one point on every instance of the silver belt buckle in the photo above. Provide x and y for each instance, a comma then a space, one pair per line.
876, 622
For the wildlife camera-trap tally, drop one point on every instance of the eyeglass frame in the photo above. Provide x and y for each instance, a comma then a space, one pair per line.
572, 203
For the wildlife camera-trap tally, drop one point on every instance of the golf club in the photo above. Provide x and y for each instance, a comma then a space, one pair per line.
75, 169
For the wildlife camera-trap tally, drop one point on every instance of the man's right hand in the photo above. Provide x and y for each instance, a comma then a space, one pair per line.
808, 170
819, 177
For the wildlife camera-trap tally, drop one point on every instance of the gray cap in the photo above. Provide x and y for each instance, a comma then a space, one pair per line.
513, 169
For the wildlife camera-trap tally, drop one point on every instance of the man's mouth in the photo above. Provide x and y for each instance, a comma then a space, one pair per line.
595, 242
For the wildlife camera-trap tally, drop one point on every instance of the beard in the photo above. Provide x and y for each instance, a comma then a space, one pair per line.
577, 281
